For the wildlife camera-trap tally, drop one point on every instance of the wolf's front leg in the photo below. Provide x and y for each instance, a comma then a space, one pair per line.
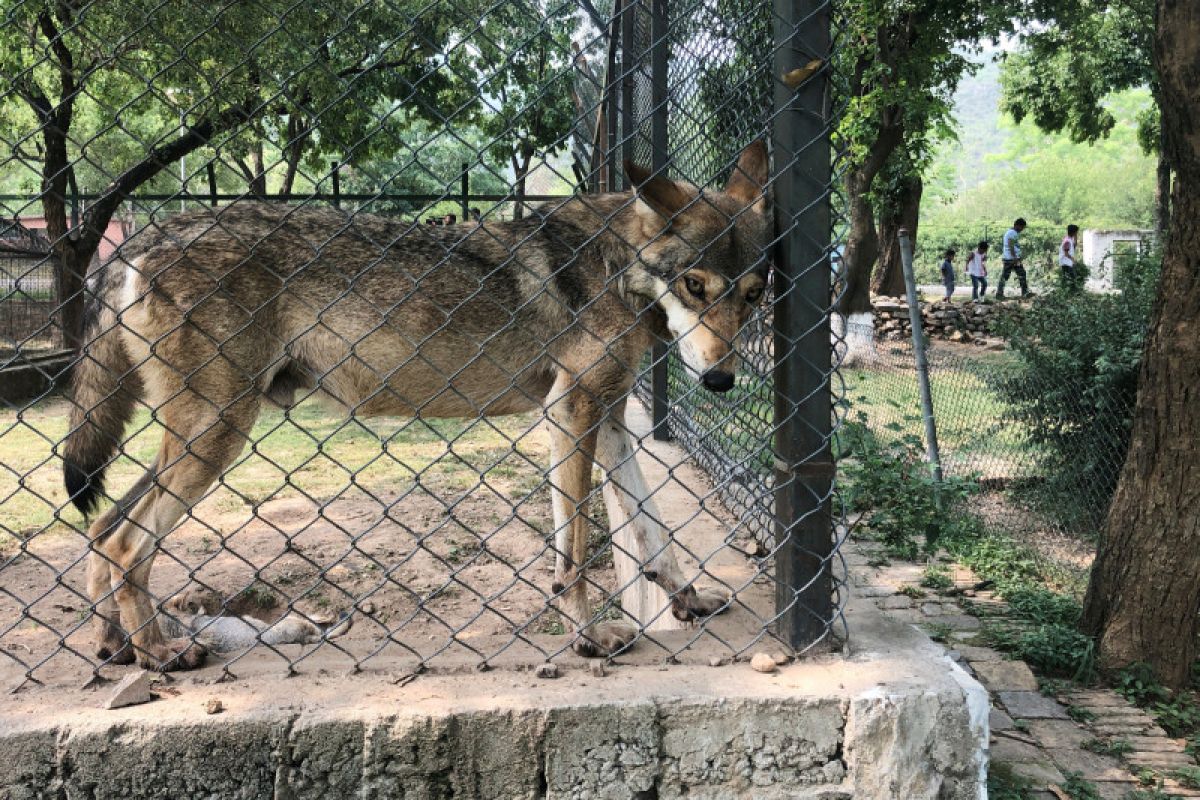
572, 444
630, 504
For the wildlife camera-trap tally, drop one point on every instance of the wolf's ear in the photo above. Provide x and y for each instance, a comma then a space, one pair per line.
750, 176
661, 194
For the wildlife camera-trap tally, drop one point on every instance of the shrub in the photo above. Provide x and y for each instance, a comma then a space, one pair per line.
902, 504
1073, 385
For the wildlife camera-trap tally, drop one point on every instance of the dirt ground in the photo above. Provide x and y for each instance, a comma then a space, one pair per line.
445, 565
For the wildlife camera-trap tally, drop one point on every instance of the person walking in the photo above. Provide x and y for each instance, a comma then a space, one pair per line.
977, 269
948, 272
1010, 255
1066, 259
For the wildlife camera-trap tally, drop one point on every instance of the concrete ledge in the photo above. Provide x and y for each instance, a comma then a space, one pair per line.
895, 720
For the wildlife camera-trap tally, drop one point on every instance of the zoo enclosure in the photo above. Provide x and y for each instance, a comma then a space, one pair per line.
253, 103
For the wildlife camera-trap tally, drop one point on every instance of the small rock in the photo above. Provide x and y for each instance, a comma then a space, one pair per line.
214, 706
763, 663
715, 661
547, 670
598, 669
367, 608
780, 658
131, 691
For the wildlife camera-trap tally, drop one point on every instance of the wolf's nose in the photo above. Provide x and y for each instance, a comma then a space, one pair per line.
718, 380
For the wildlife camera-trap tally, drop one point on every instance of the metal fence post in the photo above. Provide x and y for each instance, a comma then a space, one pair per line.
659, 143
803, 354
918, 337
465, 190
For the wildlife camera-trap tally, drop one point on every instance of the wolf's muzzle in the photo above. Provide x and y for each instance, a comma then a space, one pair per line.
717, 380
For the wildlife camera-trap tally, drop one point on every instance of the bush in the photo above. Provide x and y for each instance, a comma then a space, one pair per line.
902, 505
1074, 384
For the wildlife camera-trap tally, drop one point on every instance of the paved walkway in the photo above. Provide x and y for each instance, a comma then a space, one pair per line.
1037, 736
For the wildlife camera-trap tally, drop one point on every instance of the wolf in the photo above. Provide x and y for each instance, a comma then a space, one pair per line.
213, 314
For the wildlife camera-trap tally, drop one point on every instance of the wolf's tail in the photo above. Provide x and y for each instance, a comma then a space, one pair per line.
104, 391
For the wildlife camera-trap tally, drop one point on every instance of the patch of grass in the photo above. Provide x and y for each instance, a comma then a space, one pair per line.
1177, 712
1080, 714
1051, 650
939, 631
1080, 789
936, 577
310, 446
1004, 784
1108, 747
909, 590
1188, 776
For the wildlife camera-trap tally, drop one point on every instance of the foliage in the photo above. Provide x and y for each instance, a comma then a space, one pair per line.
1177, 712
894, 488
1108, 747
1004, 784
1074, 386
1079, 789
936, 577
1068, 67
1049, 649
525, 77
1188, 776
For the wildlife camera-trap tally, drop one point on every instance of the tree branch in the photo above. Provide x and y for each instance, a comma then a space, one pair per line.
97, 217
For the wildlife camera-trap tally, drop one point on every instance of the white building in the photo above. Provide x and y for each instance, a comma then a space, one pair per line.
1102, 249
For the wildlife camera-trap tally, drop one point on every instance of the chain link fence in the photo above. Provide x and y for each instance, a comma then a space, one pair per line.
1043, 453
347, 301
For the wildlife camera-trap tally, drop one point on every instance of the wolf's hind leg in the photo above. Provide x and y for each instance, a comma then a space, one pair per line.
199, 443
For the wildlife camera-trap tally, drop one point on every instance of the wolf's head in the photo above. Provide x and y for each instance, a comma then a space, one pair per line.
701, 260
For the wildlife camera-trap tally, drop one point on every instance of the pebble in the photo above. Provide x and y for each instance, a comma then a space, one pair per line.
715, 661
763, 663
214, 706
781, 658
547, 670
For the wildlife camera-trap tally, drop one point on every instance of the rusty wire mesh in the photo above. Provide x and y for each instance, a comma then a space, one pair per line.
311, 147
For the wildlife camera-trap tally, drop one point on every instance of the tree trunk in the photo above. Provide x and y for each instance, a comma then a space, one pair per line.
862, 245
904, 212
1144, 596
520, 173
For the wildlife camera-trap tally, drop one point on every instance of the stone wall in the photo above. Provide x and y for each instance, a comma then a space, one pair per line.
956, 322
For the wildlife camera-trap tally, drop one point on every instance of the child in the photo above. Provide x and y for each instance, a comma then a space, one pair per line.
948, 272
1066, 259
977, 269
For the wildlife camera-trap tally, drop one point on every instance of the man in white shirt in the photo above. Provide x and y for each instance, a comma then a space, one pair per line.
1066, 259
1010, 255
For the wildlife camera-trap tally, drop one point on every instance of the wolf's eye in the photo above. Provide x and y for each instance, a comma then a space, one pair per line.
754, 295
694, 285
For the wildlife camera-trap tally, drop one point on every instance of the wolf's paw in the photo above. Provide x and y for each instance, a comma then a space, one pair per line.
691, 604
115, 652
175, 655
604, 639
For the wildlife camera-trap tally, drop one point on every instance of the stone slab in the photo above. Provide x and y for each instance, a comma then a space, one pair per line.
973, 653
998, 720
1116, 790
1059, 732
1041, 773
1005, 750
1031, 705
1005, 676
1095, 767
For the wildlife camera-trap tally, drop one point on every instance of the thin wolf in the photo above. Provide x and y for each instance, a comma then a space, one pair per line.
215, 313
